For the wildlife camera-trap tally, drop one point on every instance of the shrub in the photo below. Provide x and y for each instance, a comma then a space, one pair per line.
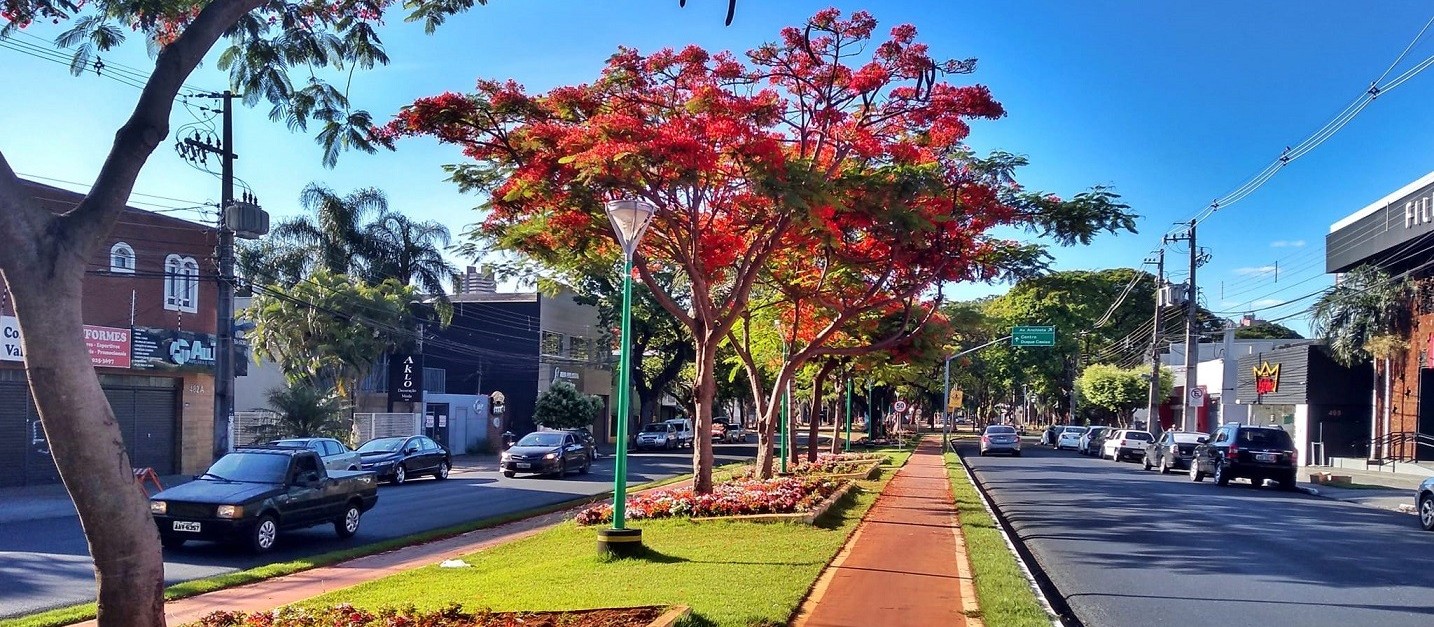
782, 495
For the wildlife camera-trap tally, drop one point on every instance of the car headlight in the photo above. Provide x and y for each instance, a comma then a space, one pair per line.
551, 456
230, 511
158, 507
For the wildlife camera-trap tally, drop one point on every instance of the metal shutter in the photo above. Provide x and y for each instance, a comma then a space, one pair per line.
14, 432
154, 431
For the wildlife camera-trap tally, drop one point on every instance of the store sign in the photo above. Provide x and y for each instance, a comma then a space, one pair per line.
568, 374
109, 346
1267, 378
171, 350
405, 378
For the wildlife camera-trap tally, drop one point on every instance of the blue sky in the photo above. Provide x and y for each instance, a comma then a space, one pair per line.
1173, 104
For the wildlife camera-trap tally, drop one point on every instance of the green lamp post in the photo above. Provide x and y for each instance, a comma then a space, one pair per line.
629, 218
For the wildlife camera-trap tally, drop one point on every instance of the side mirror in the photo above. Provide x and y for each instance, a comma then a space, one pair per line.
1201, 440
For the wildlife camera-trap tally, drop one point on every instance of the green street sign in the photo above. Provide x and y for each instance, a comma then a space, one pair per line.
1033, 336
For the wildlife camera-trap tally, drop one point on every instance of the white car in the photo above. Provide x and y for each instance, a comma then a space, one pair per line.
1000, 439
1124, 443
1070, 437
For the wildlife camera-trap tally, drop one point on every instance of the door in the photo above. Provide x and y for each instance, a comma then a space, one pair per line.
435, 425
15, 416
306, 501
1426, 414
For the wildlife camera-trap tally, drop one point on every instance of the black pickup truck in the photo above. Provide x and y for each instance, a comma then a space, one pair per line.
249, 495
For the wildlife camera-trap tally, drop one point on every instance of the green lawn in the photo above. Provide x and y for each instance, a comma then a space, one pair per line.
1004, 594
730, 573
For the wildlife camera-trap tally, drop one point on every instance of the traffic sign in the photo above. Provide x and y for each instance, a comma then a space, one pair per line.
954, 403
1196, 398
900, 406
1033, 336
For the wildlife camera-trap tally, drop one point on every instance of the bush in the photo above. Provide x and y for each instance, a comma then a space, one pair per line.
562, 406
782, 495
451, 616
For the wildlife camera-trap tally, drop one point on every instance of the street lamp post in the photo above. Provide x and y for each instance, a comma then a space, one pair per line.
847, 445
786, 428
629, 218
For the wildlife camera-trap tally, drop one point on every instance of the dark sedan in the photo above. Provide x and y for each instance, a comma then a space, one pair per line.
1172, 451
547, 453
396, 460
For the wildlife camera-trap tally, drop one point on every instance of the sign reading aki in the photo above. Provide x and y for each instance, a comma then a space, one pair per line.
109, 346
1033, 336
172, 350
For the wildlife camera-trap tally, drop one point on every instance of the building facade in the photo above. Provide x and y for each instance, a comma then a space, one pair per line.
149, 312
1301, 389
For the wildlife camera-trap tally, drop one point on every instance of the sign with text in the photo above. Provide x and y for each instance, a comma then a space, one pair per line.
569, 374
171, 350
109, 346
405, 378
1033, 336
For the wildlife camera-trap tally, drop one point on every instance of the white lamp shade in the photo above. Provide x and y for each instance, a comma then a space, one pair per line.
629, 218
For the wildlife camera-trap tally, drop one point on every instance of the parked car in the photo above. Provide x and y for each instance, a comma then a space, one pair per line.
336, 456
586, 438
657, 435
1084, 447
1121, 444
736, 433
1424, 504
395, 460
719, 431
547, 453
1172, 451
1049, 436
252, 494
686, 435
1069, 437
1238, 451
1000, 439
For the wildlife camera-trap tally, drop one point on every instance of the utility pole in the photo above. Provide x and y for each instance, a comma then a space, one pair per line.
1153, 419
1188, 417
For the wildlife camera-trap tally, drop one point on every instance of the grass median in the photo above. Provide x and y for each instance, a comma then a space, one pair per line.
72, 614
1002, 590
772, 565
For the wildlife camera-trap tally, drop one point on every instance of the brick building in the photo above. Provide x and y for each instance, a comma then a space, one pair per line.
149, 310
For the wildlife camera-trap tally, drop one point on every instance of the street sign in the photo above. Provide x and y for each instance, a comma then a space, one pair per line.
954, 402
900, 406
1196, 398
1033, 336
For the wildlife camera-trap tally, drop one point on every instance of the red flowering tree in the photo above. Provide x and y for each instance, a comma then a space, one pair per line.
764, 169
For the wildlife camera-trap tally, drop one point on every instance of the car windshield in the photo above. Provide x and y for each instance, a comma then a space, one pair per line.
381, 445
1270, 438
250, 468
662, 428
1095, 430
541, 439
1000, 429
1187, 438
1138, 435
1075, 430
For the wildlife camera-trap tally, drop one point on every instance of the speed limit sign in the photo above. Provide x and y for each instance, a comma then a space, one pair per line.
900, 406
1196, 397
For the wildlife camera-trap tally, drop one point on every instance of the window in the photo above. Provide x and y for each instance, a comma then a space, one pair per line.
181, 284
122, 258
551, 344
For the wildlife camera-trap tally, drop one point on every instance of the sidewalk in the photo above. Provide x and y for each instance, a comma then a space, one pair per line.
1384, 490
906, 563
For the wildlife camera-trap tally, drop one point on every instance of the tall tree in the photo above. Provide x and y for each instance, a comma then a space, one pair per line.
1264, 330
409, 250
303, 410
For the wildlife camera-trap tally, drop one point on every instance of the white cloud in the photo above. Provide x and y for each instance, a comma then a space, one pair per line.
1287, 243
1267, 302
1255, 270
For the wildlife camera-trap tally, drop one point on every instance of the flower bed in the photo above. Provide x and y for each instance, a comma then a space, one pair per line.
451, 616
739, 497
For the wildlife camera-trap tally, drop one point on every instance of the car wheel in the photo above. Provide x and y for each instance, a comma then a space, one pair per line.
1287, 482
442, 473
983, 452
353, 468
1222, 476
348, 524
1257, 482
399, 475
1145, 461
509, 474
587, 465
170, 541
264, 534
562, 468
1195, 474
1165, 465
1016, 453
1426, 511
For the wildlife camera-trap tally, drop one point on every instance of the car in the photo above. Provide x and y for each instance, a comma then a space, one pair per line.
1121, 444
719, 431
1084, 447
1172, 451
547, 453
686, 435
656, 435
253, 493
1424, 504
1000, 439
1236, 451
1069, 437
736, 433
397, 459
585, 437
336, 456
1048, 437
1095, 442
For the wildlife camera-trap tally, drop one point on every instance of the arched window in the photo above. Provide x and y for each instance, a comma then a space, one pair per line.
122, 258
181, 284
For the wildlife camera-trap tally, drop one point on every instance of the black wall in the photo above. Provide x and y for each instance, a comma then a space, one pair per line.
494, 344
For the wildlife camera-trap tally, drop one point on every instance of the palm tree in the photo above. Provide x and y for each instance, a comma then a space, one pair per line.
409, 251
334, 236
1361, 318
305, 411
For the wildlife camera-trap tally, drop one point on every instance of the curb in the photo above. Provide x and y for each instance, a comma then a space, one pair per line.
1308, 490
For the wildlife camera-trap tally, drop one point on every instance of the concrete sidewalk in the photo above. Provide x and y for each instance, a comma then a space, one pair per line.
1382, 490
906, 563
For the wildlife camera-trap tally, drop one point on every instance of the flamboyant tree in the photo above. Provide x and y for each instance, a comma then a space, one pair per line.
751, 165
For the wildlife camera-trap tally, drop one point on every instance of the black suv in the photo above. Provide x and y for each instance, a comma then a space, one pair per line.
1237, 451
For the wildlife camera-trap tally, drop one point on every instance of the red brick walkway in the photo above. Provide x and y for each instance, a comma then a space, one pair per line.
905, 564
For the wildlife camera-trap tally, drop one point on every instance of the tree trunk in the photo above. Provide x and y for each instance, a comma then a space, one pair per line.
704, 390
85, 441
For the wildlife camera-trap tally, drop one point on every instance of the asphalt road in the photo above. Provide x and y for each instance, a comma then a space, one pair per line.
1128, 547
45, 563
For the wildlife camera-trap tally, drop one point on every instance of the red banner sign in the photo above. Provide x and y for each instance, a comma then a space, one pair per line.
109, 346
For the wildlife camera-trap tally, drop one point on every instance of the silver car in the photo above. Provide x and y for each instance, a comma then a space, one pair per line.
1000, 439
336, 456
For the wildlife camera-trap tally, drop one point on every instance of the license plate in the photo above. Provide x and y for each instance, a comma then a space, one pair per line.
182, 525
1265, 457
524, 465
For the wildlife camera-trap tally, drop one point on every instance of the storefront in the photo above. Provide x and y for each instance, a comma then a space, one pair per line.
1302, 390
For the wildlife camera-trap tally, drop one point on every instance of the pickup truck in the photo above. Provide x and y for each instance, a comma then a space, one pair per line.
250, 495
